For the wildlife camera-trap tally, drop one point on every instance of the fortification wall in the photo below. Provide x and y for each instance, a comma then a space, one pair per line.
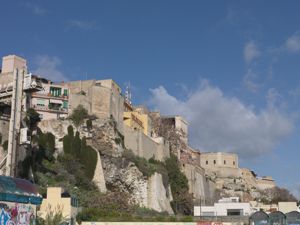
144, 146
201, 187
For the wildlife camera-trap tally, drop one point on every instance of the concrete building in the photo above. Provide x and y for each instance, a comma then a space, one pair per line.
225, 207
222, 163
52, 102
59, 201
101, 98
287, 207
138, 119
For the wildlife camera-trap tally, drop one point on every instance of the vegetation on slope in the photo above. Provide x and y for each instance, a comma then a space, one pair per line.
78, 148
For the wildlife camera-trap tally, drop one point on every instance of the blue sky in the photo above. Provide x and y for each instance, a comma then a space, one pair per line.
230, 67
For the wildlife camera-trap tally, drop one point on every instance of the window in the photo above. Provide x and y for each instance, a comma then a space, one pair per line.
65, 104
65, 92
206, 162
233, 163
215, 162
224, 162
40, 102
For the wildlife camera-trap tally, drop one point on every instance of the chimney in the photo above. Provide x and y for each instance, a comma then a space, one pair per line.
11, 62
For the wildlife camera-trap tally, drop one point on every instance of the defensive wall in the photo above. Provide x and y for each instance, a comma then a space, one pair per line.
145, 146
221, 163
199, 185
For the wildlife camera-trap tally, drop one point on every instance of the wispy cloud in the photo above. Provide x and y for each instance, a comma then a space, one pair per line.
36, 9
221, 123
249, 81
48, 67
292, 44
81, 24
251, 52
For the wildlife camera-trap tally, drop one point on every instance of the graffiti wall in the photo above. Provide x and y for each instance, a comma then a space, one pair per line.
17, 214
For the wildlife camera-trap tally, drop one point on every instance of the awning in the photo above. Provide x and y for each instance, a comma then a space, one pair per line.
55, 101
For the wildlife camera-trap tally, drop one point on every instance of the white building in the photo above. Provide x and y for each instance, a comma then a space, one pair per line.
224, 207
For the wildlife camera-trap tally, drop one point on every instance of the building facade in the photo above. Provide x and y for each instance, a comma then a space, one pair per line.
59, 201
101, 98
222, 163
225, 207
52, 102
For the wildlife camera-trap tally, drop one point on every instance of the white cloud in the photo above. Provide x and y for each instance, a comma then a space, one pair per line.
80, 24
48, 67
36, 9
220, 123
249, 81
273, 97
251, 52
292, 44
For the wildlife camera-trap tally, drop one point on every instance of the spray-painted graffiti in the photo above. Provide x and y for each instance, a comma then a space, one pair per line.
19, 214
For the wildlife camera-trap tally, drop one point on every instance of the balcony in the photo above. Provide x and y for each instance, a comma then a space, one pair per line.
49, 96
50, 109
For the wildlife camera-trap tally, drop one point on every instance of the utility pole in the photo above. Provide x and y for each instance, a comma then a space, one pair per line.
15, 123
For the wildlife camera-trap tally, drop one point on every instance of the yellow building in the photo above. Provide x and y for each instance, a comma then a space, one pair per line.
59, 201
138, 120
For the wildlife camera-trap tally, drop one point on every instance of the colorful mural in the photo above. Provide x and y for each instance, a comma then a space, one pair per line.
18, 214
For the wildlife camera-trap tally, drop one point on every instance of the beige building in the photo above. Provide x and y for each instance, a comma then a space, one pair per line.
59, 201
49, 100
287, 207
222, 163
101, 98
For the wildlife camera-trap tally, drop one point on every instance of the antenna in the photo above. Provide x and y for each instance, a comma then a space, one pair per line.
128, 94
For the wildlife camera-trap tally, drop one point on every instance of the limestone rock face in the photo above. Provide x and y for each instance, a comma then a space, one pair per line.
106, 139
113, 172
158, 197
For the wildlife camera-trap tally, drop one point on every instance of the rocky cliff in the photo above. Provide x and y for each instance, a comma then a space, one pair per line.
114, 172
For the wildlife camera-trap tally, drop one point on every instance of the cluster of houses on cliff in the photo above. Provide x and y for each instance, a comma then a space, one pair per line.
104, 99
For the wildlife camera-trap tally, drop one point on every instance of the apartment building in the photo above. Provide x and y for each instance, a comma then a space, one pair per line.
52, 102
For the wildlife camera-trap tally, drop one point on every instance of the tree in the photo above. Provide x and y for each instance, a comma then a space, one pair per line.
78, 115
277, 194
32, 118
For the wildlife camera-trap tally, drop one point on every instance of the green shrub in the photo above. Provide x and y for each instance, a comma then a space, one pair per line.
78, 115
32, 117
78, 148
142, 164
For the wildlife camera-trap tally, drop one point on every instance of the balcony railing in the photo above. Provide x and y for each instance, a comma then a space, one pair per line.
48, 95
49, 109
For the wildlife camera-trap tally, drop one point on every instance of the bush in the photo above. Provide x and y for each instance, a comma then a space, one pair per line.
182, 200
142, 164
80, 150
78, 115
32, 118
